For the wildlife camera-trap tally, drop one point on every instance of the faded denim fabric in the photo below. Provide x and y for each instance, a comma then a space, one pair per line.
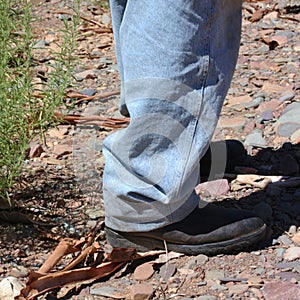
176, 59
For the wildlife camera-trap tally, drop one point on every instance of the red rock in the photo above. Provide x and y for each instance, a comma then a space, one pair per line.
238, 100
214, 188
144, 271
62, 149
234, 123
141, 291
273, 88
270, 105
36, 151
279, 290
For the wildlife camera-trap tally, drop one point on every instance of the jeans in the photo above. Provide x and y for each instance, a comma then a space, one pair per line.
176, 59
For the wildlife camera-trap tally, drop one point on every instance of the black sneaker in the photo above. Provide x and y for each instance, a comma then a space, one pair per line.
209, 230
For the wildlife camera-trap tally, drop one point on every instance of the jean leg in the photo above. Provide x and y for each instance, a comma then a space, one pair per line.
178, 59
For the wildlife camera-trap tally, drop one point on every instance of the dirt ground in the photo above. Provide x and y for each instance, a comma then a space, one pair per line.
59, 194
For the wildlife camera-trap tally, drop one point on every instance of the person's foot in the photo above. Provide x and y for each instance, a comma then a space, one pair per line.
222, 157
209, 230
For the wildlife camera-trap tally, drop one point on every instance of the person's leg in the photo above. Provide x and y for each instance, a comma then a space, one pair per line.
177, 60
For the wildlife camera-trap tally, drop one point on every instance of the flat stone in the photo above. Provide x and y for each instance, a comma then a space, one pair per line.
255, 139
285, 240
167, 271
292, 253
109, 292
236, 123
213, 188
238, 289
238, 100
287, 129
214, 274
87, 74
207, 297
144, 271
273, 88
62, 149
279, 290
287, 97
141, 291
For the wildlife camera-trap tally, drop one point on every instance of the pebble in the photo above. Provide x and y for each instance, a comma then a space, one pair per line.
293, 230
292, 253
144, 271
255, 139
194, 262
141, 291
285, 240
107, 291
207, 297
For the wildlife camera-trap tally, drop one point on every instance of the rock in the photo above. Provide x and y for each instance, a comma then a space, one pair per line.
238, 100
206, 297
213, 188
62, 149
279, 290
109, 292
296, 238
95, 213
293, 230
35, 151
141, 291
292, 253
285, 240
255, 139
59, 131
88, 92
144, 271
273, 88
214, 274
235, 123
295, 138
167, 271
10, 287
19, 272
87, 74
238, 289
287, 129
197, 261
287, 97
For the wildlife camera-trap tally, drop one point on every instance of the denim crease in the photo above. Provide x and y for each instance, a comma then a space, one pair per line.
176, 60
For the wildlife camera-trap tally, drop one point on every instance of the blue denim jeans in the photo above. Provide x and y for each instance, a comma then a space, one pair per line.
176, 59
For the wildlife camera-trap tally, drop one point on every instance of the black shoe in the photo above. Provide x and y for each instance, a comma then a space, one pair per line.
210, 230
222, 157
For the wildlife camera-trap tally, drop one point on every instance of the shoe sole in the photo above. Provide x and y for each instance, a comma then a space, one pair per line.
141, 243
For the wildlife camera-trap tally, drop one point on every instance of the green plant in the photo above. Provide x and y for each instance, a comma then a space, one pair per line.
22, 115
